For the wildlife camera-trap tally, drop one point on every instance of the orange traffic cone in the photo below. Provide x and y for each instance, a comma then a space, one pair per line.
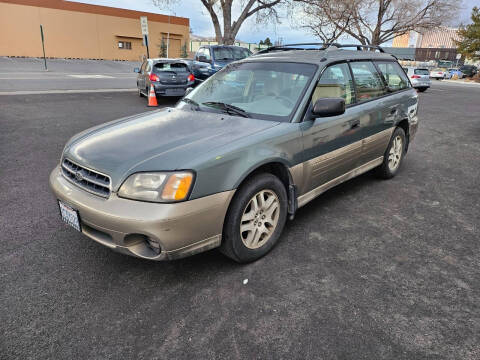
152, 98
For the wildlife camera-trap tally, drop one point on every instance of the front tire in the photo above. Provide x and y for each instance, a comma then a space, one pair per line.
394, 155
423, 89
255, 219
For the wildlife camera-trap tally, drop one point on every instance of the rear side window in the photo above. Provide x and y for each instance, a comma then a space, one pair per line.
421, 72
393, 75
336, 81
368, 82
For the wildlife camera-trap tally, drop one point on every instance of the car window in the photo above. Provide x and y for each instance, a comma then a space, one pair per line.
149, 67
335, 81
205, 52
368, 82
223, 53
421, 72
264, 90
142, 68
177, 67
393, 75
240, 53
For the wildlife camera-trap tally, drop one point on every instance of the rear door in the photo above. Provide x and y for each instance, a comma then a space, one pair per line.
375, 113
332, 145
141, 77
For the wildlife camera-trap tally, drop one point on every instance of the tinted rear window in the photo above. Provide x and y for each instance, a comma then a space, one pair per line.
170, 67
421, 72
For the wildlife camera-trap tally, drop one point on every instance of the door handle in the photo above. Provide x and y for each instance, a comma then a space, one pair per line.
354, 124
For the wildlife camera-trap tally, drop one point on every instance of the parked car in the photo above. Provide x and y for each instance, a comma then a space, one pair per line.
211, 58
457, 72
468, 70
169, 77
439, 74
419, 77
239, 154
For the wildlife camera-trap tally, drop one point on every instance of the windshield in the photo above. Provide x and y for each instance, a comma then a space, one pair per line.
262, 90
421, 72
230, 53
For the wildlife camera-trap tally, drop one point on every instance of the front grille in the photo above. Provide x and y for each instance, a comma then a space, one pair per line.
86, 179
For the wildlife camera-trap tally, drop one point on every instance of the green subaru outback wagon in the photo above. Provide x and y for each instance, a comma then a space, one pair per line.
239, 154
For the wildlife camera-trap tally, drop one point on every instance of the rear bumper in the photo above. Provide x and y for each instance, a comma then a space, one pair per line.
181, 229
163, 89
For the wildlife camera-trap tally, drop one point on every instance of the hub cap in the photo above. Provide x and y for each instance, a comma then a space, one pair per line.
259, 219
395, 154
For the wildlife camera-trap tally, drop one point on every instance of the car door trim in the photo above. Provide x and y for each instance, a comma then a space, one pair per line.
300, 172
309, 196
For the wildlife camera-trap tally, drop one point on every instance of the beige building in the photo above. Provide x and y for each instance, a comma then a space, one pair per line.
76, 30
437, 38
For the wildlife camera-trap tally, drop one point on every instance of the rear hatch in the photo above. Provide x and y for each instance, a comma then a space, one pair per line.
171, 73
422, 75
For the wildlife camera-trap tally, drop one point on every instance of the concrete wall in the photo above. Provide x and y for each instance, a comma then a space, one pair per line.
72, 33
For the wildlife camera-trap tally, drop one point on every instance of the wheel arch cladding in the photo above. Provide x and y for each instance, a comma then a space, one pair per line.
276, 168
405, 126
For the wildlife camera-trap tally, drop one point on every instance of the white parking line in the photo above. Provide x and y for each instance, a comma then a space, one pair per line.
91, 76
78, 91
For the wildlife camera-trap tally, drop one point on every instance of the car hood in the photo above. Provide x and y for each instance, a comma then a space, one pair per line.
160, 140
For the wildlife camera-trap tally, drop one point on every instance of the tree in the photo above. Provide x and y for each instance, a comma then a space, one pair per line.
264, 10
162, 49
184, 53
470, 36
373, 22
267, 42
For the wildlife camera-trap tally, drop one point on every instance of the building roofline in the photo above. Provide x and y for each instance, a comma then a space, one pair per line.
100, 10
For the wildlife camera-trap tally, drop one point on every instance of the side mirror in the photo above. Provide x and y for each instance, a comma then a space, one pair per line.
203, 58
188, 90
136, 70
325, 107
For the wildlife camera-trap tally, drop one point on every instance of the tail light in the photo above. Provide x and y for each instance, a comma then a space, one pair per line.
415, 76
154, 77
191, 77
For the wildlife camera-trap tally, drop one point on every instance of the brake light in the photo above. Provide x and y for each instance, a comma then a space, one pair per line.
415, 76
191, 77
154, 77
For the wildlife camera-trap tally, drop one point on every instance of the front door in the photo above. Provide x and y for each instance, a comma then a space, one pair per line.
332, 145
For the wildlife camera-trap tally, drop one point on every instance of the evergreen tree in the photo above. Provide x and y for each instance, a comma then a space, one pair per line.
470, 36
162, 49
184, 53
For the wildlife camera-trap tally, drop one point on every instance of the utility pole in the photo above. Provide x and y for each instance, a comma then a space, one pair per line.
43, 47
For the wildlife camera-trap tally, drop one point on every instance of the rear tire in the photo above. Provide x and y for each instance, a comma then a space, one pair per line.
140, 93
394, 155
259, 208
422, 89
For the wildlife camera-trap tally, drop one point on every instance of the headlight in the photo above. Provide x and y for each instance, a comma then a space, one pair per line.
157, 186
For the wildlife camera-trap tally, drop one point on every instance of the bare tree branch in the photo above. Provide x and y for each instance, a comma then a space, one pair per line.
374, 21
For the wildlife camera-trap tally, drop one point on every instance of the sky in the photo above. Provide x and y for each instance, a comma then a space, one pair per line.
288, 29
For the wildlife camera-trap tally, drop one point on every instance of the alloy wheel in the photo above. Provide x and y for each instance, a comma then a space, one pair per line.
395, 154
259, 219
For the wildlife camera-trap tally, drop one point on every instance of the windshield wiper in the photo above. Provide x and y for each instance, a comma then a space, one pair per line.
191, 102
227, 108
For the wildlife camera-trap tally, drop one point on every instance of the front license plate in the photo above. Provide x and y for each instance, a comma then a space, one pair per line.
69, 215
179, 91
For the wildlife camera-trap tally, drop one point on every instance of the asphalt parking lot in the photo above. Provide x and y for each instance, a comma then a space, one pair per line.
372, 269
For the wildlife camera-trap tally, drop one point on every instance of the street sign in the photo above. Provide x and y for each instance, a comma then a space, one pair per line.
144, 25
459, 56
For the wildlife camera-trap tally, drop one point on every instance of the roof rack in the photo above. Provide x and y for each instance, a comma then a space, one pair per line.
321, 46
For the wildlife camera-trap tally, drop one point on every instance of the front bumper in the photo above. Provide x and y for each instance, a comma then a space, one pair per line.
181, 229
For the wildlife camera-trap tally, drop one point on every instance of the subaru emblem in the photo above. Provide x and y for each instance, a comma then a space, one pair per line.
78, 176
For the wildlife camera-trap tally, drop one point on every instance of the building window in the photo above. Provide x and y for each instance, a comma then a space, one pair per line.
125, 45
